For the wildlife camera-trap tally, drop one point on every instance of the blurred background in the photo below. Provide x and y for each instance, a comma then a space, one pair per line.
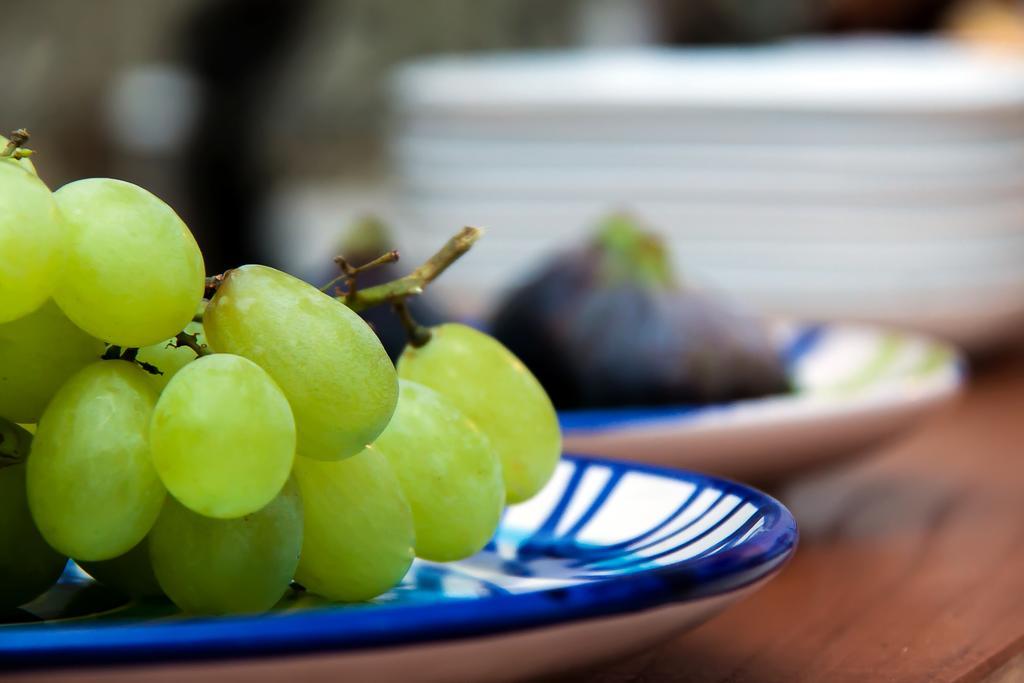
820, 158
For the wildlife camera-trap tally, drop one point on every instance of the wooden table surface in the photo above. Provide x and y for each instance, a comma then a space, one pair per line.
910, 566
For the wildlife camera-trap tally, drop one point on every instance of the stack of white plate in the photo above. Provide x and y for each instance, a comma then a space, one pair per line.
874, 180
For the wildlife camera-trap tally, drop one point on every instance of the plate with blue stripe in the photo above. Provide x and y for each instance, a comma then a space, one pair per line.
854, 387
609, 558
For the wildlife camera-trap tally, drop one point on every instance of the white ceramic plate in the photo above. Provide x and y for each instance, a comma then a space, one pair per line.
855, 387
585, 125
699, 185
857, 264
879, 76
793, 222
992, 159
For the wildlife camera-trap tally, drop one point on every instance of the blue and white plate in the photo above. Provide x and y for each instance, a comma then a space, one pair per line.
855, 386
609, 558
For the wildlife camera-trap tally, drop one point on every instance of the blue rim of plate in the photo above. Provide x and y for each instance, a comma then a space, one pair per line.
319, 630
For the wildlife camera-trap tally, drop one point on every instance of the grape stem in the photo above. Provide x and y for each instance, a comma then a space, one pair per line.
413, 283
131, 355
213, 283
392, 292
192, 342
349, 272
14, 145
414, 332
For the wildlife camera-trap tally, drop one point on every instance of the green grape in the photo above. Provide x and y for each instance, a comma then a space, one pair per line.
220, 566
134, 273
130, 574
337, 377
33, 242
496, 391
27, 164
168, 358
448, 470
223, 436
38, 352
92, 488
358, 536
28, 565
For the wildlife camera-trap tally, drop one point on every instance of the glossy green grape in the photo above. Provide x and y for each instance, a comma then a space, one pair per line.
168, 358
358, 535
495, 390
38, 352
337, 377
221, 566
449, 472
134, 273
28, 565
130, 574
223, 436
33, 242
92, 488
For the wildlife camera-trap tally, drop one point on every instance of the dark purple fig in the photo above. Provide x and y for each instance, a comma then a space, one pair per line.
608, 325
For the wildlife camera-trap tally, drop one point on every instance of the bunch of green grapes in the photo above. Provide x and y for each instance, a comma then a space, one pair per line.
214, 451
